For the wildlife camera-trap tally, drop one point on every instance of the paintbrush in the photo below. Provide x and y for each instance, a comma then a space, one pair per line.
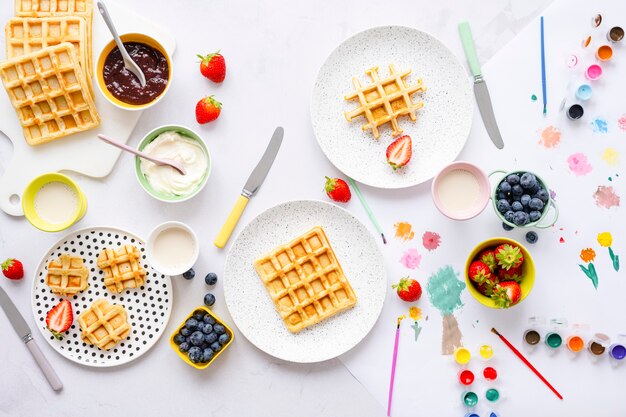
543, 70
367, 208
393, 366
532, 368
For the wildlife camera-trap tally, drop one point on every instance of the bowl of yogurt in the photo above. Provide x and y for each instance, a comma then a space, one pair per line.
172, 248
461, 191
182, 145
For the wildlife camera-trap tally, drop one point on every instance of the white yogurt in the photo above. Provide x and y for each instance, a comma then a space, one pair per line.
174, 249
187, 151
458, 191
56, 202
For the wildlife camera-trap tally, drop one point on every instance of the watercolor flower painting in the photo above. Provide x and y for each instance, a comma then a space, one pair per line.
605, 239
589, 255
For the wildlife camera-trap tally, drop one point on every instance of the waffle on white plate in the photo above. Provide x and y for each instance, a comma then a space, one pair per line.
122, 268
67, 275
104, 325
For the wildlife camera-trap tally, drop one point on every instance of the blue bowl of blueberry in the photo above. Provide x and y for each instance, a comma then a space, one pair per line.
522, 199
201, 338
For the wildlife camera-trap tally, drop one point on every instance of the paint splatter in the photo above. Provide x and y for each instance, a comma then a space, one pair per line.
417, 329
605, 239
416, 313
404, 231
533, 97
411, 259
606, 197
444, 291
552, 194
431, 240
621, 123
599, 125
589, 255
578, 164
550, 137
610, 156
561, 240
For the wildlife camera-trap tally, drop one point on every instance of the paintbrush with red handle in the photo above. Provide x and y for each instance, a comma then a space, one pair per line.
532, 368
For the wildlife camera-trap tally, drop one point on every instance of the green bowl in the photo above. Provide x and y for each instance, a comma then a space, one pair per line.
143, 181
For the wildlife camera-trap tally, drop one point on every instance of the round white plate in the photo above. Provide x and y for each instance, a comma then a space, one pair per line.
148, 307
442, 125
252, 308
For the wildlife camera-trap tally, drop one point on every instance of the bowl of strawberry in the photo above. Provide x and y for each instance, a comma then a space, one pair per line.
499, 273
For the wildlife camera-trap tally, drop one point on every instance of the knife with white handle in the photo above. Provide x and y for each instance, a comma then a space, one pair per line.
23, 331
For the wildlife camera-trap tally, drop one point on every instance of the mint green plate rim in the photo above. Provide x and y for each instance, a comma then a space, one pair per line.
143, 181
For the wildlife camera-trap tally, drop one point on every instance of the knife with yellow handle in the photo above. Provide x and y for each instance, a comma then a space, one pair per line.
252, 186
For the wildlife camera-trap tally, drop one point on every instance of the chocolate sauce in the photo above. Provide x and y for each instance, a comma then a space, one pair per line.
124, 85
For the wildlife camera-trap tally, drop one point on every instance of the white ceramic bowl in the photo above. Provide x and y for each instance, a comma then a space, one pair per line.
155, 263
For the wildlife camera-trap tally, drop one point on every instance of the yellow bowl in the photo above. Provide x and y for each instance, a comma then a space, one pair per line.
528, 270
28, 202
131, 37
184, 356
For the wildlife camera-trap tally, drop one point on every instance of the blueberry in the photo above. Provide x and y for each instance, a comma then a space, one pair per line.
536, 204
517, 206
206, 328
525, 199
207, 354
508, 216
185, 331
195, 354
520, 218
219, 329
517, 190
503, 206
191, 324
531, 237
506, 227
209, 299
179, 338
189, 274
216, 347
542, 195
533, 189
184, 347
513, 179
210, 338
515, 198
197, 338
501, 196
534, 215
211, 278
223, 339
528, 181
188, 339
209, 319
198, 315
504, 187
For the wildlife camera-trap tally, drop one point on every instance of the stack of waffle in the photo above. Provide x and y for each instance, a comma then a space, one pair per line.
48, 70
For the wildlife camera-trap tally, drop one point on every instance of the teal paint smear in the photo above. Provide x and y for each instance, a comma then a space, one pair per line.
416, 327
614, 259
600, 125
444, 290
590, 271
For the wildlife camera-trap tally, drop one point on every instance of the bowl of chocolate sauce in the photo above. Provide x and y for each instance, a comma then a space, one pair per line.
120, 86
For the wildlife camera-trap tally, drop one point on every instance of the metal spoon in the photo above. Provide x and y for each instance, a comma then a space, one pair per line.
159, 161
128, 61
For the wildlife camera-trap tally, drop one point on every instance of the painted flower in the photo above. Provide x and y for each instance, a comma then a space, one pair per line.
588, 255
605, 239
415, 313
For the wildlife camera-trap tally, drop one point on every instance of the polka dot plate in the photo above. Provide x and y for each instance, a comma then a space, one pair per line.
253, 310
148, 307
442, 125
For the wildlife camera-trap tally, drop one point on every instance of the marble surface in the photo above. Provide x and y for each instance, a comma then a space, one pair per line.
273, 52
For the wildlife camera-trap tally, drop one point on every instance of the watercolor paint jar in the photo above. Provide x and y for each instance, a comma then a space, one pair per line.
553, 341
575, 112
617, 353
469, 399
462, 355
490, 374
598, 345
532, 335
493, 394
575, 342
593, 72
466, 377
485, 353
604, 53
615, 34
472, 415
584, 92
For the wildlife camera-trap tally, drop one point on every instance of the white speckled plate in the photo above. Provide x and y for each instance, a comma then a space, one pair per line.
148, 307
442, 126
252, 308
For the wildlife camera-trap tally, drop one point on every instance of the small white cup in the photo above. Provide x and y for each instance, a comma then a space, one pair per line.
157, 263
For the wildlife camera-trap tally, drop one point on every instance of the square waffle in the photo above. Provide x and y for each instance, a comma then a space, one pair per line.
104, 324
29, 34
49, 93
384, 100
122, 268
67, 275
305, 280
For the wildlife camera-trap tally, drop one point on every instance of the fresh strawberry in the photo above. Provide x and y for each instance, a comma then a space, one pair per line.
479, 272
488, 258
213, 66
509, 256
60, 318
506, 294
337, 190
513, 274
399, 152
408, 289
13, 269
207, 110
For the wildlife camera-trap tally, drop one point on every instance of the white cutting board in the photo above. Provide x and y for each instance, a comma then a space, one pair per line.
83, 152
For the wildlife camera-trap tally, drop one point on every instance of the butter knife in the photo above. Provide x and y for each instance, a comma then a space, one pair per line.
480, 86
251, 187
23, 331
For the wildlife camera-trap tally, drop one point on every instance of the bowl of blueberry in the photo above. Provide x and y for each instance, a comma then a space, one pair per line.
522, 199
201, 338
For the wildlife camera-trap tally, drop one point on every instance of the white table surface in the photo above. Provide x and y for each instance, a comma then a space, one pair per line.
273, 51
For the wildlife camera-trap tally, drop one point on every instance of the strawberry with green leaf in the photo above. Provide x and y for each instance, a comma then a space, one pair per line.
509, 256
506, 294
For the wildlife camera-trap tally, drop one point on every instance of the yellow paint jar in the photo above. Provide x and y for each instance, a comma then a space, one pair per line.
462, 355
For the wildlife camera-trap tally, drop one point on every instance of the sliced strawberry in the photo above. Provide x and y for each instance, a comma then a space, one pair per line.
399, 152
60, 318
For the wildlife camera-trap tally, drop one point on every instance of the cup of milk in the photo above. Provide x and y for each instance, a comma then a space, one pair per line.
461, 191
53, 202
172, 248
